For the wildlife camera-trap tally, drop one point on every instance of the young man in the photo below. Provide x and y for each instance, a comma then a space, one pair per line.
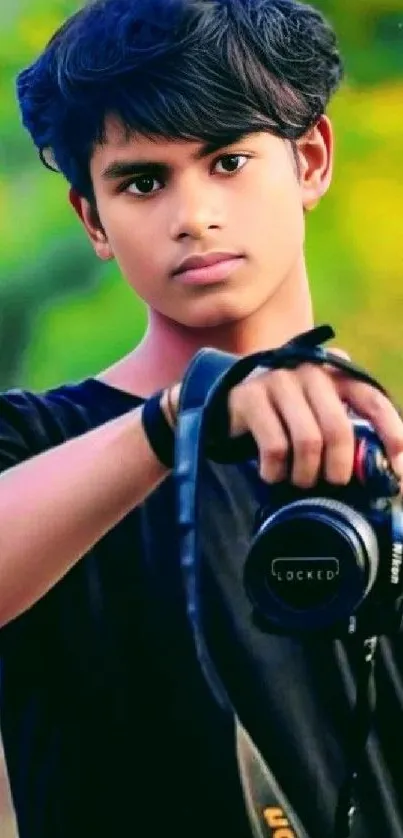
194, 139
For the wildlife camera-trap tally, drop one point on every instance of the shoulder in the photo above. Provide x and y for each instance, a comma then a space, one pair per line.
31, 422
35, 418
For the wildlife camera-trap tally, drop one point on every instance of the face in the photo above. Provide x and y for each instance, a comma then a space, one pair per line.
160, 202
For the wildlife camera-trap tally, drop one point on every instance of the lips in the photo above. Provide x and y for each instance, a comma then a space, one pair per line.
196, 262
211, 271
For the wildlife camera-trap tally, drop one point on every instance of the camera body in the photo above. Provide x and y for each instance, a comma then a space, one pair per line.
331, 558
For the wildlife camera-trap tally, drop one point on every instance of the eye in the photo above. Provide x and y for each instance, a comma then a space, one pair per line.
141, 185
231, 162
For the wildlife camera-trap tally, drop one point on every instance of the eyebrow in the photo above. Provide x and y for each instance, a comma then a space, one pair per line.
125, 168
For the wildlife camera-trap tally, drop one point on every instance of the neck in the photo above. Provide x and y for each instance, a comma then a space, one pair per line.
168, 347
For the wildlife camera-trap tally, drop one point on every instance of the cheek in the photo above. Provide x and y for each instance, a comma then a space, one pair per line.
276, 219
133, 246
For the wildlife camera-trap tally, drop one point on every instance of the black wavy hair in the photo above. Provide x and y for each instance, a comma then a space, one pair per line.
206, 70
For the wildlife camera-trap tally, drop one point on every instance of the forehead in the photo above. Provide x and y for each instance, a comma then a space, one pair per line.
121, 145
118, 136
119, 141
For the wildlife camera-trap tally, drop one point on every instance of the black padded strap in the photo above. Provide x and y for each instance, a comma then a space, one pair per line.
219, 446
210, 366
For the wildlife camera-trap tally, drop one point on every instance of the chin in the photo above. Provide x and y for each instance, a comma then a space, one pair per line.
214, 319
215, 312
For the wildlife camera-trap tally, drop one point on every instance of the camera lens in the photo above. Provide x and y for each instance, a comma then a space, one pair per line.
311, 564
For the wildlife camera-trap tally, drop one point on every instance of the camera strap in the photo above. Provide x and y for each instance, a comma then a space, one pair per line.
361, 721
203, 433
270, 812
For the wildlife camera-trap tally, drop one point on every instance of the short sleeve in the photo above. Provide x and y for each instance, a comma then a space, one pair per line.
25, 432
31, 423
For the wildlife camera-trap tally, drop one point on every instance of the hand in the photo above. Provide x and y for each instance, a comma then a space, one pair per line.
301, 417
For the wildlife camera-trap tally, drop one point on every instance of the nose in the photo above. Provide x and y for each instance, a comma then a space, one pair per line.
194, 210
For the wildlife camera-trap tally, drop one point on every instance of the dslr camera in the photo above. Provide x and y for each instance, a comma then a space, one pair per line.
331, 558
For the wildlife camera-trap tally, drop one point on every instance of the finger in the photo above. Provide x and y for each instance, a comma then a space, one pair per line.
335, 372
268, 432
335, 425
374, 406
290, 403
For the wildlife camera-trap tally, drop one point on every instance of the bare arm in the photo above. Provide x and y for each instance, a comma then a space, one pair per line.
56, 506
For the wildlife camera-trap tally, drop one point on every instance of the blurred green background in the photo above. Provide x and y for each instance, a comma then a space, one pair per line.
64, 315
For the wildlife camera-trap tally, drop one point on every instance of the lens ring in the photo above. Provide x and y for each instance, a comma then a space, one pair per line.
362, 526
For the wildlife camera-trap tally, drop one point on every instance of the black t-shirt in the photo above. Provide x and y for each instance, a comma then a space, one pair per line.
109, 727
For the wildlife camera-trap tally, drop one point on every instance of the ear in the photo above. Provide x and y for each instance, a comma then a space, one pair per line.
315, 152
89, 217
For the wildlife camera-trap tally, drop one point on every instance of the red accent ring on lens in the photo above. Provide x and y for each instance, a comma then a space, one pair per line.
359, 460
